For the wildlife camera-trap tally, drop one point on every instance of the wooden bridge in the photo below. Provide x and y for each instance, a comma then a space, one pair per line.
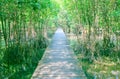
59, 61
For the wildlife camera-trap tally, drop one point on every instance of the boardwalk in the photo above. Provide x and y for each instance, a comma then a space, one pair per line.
59, 61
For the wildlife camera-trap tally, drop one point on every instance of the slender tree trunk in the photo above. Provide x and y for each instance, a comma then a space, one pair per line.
4, 30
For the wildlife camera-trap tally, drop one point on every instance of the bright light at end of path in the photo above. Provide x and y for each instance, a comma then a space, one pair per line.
59, 2
59, 30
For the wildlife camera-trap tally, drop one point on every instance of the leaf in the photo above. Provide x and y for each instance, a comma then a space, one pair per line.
115, 13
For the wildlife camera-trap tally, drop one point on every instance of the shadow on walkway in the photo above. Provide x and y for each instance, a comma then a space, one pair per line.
59, 61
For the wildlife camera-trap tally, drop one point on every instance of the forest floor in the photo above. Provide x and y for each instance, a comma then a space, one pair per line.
101, 68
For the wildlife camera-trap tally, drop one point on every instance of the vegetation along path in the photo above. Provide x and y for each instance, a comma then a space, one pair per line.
59, 61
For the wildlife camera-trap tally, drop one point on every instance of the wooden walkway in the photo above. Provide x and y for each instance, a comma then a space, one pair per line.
59, 61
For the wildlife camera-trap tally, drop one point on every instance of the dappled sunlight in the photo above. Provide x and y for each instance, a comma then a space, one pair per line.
28, 27
101, 69
59, 61
57, 68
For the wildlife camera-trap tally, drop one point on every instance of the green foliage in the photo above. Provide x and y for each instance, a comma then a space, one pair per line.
42, 42
107, 47
102, 65
26, 70
14, 55
21, 59
23, 24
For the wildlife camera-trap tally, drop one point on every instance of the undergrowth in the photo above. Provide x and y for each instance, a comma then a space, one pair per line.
18, 61
100, 63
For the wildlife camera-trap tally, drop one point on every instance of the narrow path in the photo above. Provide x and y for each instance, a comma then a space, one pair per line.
59, 61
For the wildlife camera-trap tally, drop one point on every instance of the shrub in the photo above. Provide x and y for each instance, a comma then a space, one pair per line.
41, 42
13, 55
